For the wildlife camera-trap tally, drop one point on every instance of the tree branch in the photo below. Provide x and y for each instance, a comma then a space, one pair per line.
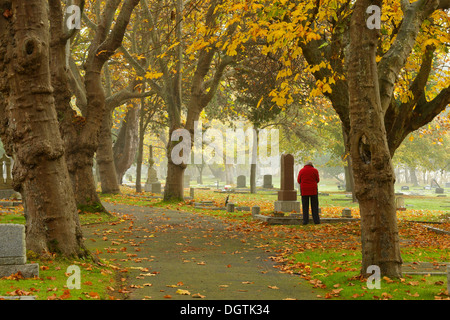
395, 58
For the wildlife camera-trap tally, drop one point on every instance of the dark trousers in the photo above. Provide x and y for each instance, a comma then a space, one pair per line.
314, 208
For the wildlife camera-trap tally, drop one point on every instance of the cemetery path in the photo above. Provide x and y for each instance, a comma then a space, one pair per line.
167, 251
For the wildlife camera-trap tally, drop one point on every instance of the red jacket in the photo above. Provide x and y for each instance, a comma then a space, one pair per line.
308, 177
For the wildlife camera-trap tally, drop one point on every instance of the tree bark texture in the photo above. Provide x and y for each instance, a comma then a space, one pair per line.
40, 172
105, 157
125, 147
372, 166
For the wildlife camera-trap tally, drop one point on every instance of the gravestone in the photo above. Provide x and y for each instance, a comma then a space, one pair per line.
6, 189
152, 184
346, 213
187, 181
241, 183
267, 182
287, 196
439, 190
405, 188
255, 210
13, 252
230, 207
400, 203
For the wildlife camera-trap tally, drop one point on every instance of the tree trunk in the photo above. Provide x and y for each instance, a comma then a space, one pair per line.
40, 172
127, 142
105, 157
174, 188
140, 154
372, 165
414, 180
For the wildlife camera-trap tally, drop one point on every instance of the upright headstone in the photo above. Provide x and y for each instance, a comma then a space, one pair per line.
152, 184
241, 182
400, 203
230, 207
6, 189
255, 210
287, 196
346, 213
187, 181
267, 182
13, 252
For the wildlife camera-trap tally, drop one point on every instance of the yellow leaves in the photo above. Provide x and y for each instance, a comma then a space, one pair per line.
153, 75
183, 292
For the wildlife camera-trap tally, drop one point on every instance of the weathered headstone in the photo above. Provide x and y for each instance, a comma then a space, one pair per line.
255, 210
187, 181
13, 252
241, 183
6, 189
267, 181
346, 213
191, 193
439, 190
230, 207
405, 188
400, 203
287, 196
152, 184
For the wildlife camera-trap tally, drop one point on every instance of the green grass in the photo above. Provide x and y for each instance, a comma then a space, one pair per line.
53, 280
337, 273
334, 268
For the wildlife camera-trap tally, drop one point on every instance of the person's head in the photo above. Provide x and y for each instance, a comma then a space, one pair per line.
309, 163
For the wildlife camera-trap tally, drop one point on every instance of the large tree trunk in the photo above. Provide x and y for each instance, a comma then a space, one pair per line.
371, 159
105, 157
40, 171
174, 187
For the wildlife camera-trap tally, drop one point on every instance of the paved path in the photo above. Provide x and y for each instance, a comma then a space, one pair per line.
198, 253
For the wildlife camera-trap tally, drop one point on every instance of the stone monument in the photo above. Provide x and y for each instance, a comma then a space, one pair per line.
13, 257
287, 196
152, 184
267, 182
6, 189
240, 182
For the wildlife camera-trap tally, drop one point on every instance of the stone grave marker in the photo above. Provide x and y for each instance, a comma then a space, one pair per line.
346, 213
152, 184
13, 257
255, 210
400, 203
241, 183
187, 181
6, 189
287, 196
267, 181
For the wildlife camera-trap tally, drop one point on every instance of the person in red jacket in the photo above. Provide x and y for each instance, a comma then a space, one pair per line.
308, 177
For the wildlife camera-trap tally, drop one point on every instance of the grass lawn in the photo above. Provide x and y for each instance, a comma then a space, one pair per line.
327, 256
